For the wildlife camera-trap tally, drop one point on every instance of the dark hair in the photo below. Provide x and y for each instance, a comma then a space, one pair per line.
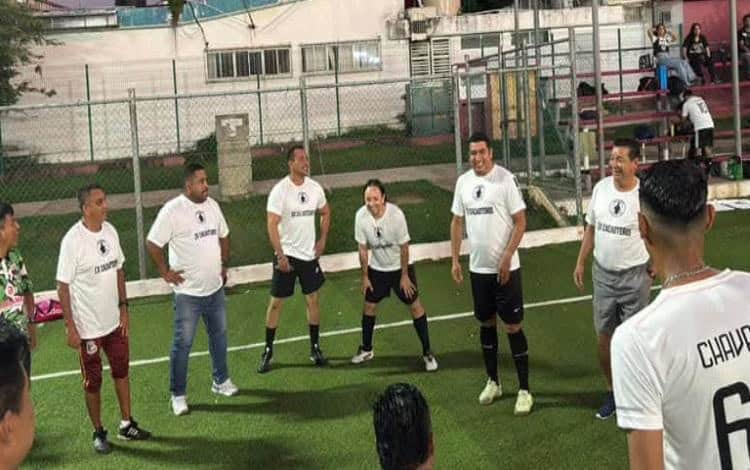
5, 210
374, 182
12, 376
634, 148
675, 191
479, 137
191, 169
85, 192
744, 18
402, 427
292, 149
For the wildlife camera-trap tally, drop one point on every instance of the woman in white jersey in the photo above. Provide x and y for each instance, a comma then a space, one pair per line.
380, 227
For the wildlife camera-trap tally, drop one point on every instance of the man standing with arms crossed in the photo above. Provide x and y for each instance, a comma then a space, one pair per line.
488, 198
620, 272
292, 206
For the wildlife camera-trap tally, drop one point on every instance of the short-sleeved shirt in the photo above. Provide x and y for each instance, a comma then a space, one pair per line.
88, 263
695, 46
297, 207
384, 236
696, 110
14, 284
682, 365
192, 231
488, 204
661, 44
614, 215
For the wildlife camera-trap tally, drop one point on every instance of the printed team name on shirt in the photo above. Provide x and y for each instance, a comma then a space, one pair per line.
724, 347
201, 217
303, 198
382, 245
104, 249
616, 208
477, 194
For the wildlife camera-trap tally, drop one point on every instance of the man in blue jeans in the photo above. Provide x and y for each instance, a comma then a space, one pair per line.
194, 227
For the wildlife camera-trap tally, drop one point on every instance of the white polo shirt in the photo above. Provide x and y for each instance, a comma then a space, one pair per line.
488, 204
384, 236
297, 207
192, 231
88, 263
696, 110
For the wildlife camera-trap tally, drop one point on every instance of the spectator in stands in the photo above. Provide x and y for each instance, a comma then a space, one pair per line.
662, 38
403, 429
695, 110
695, 49
743, 41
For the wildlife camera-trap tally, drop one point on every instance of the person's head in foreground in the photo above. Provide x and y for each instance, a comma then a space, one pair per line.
674, 216
16, 408
403, 429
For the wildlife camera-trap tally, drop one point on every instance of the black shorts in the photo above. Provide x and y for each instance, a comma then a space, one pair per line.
705, 139
310, 276
490, 298
385, 281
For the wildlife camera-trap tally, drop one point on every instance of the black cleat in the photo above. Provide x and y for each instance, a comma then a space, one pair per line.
317, 357
101, 444
133, 433
265, 361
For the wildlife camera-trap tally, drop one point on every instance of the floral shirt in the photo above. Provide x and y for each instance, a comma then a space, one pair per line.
14, 283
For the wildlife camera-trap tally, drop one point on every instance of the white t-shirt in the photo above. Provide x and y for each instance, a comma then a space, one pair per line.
614, 216
297, 206
192, 232
88, 263
488, 203
696, 110
682, 365
383, 236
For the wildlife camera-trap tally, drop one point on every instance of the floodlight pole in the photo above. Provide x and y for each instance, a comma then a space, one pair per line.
735, 78
598, 85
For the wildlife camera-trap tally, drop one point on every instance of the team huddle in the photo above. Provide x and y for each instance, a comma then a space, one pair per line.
678, 370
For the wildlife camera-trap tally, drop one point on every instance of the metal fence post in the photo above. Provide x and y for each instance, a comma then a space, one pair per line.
574, 126
467, 83
506, 127
527, 114
176, 106
554, 82
88, 110
139, 223
338, 98
303, 112
457, 121
260, 111
619, 65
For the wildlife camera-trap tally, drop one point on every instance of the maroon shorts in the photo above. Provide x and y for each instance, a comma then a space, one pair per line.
116, 347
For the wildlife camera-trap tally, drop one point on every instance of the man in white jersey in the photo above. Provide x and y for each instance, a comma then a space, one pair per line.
380, 227
695, 110
91, 288
620, 272
489, 200
291, 210
681, 367
194, 227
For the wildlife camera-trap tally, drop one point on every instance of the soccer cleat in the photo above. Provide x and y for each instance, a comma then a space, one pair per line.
266, 358
179, 405
430, 364
491, 391
101, 444
608, 408
316, 355
362, 355
524, 403
132, 432
226, 388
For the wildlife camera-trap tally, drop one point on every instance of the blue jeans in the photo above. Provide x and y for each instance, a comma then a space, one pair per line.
187, 310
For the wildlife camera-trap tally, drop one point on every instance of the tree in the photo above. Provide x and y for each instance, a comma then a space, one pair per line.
175, 8
20, 31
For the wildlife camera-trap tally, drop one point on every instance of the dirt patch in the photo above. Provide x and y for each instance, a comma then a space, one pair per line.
408, 198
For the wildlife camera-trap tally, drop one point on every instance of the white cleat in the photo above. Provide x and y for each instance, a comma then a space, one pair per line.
227, 388
524, 403
491, 391
362, 356
430, 364
179, 405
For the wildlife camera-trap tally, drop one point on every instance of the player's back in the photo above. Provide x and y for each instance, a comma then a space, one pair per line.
690, 351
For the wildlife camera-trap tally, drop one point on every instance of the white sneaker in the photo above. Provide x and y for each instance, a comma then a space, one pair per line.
362, 356
227, 388
179, 405
491, 391
430, 364
524, 403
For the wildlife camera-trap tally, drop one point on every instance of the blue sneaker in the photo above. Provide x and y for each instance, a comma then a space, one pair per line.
608, 408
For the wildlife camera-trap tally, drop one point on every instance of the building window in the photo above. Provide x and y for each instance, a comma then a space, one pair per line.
228, 65
359, 56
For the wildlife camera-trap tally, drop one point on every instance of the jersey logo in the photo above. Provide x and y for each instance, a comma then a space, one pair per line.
378, 232
617, 207
478, 192
102, 247
200, 216
303, 197
91, 347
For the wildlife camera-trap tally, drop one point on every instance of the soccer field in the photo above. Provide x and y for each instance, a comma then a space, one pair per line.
298, 416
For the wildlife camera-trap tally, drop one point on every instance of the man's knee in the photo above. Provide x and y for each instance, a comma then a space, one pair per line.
512, 328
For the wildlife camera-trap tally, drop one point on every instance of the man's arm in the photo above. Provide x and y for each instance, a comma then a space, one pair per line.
325, 226
122, 302
645, 450
407, 287
63, 293
30, 307
457, 235
272, 226
157, 255
225, 246
519, 229
363, 263
587, 246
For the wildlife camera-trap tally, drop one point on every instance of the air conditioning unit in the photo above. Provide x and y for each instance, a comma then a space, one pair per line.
424, 13
398, 29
